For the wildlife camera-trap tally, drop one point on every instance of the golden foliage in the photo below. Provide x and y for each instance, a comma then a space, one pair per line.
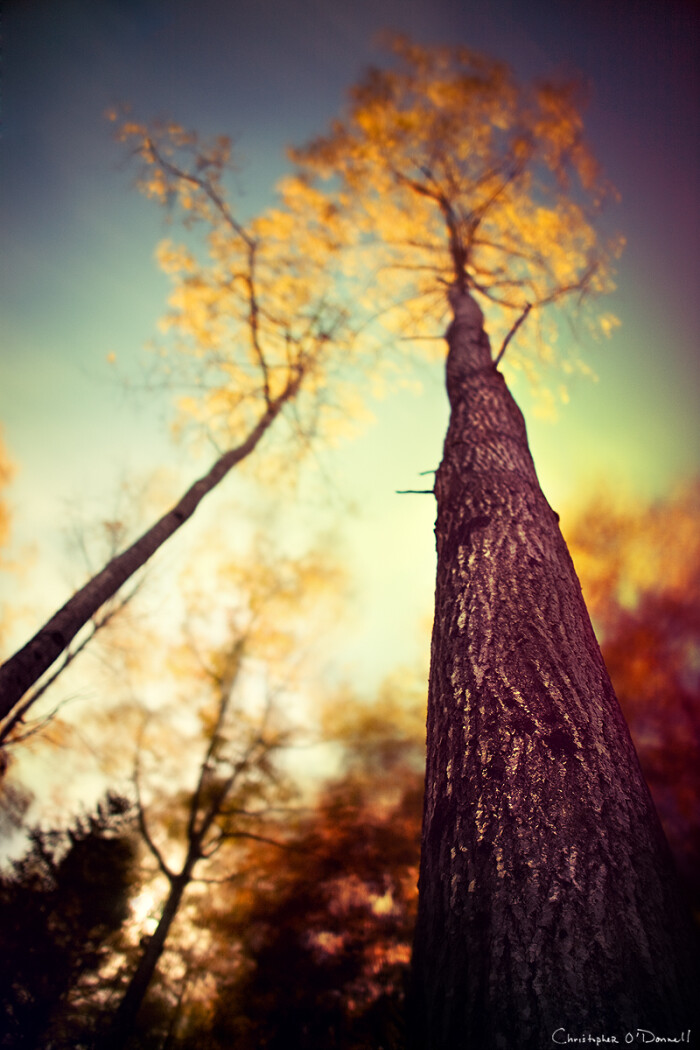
452, 172
255, 312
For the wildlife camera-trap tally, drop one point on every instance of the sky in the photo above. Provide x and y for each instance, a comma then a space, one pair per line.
78, 279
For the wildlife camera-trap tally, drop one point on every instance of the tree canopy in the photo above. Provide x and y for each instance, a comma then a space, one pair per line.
453, 172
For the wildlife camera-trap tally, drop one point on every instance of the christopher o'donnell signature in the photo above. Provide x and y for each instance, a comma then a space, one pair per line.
639, 1037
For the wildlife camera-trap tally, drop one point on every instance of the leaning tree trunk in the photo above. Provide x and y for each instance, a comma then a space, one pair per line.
547, 896
22, 670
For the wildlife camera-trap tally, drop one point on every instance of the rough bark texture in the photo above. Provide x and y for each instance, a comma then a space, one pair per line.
25, 667
548, 898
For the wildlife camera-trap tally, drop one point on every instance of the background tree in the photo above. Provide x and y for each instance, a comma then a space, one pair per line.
233, 777
547, 895
323, 934
255, 322
199, 835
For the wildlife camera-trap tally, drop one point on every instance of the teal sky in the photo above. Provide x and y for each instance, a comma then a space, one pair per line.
78, 281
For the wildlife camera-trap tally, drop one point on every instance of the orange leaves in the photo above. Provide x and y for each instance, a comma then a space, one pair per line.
443, 167
454, 171
255, 313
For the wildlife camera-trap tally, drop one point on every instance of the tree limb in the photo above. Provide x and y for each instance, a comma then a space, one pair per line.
141, 818
510, 335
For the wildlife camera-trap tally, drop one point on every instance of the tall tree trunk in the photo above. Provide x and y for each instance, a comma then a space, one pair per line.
127, 1011
547, 895
22, 670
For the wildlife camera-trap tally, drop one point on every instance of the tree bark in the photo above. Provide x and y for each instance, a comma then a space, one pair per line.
547, 895
26, 666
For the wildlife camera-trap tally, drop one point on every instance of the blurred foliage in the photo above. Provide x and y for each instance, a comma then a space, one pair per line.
639, 566
328, 933
312, 951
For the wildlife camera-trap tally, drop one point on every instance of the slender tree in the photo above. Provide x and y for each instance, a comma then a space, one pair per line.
547, 899
240, 792
254, 322
231, 778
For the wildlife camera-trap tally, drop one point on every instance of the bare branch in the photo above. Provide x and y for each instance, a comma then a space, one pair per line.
510, 335
228, 835
225, 684
34, 727
207, 188
18, 714
141, 815
254, 322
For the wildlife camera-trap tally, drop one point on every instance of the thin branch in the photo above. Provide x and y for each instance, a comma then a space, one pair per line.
225, 683
254, 322
207, 189
260, 814
415, 492
509, 176
196, 837
236, 876
502, 301
457, 248
510, 335
36, 694
141, 815
34, 727
227, 835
